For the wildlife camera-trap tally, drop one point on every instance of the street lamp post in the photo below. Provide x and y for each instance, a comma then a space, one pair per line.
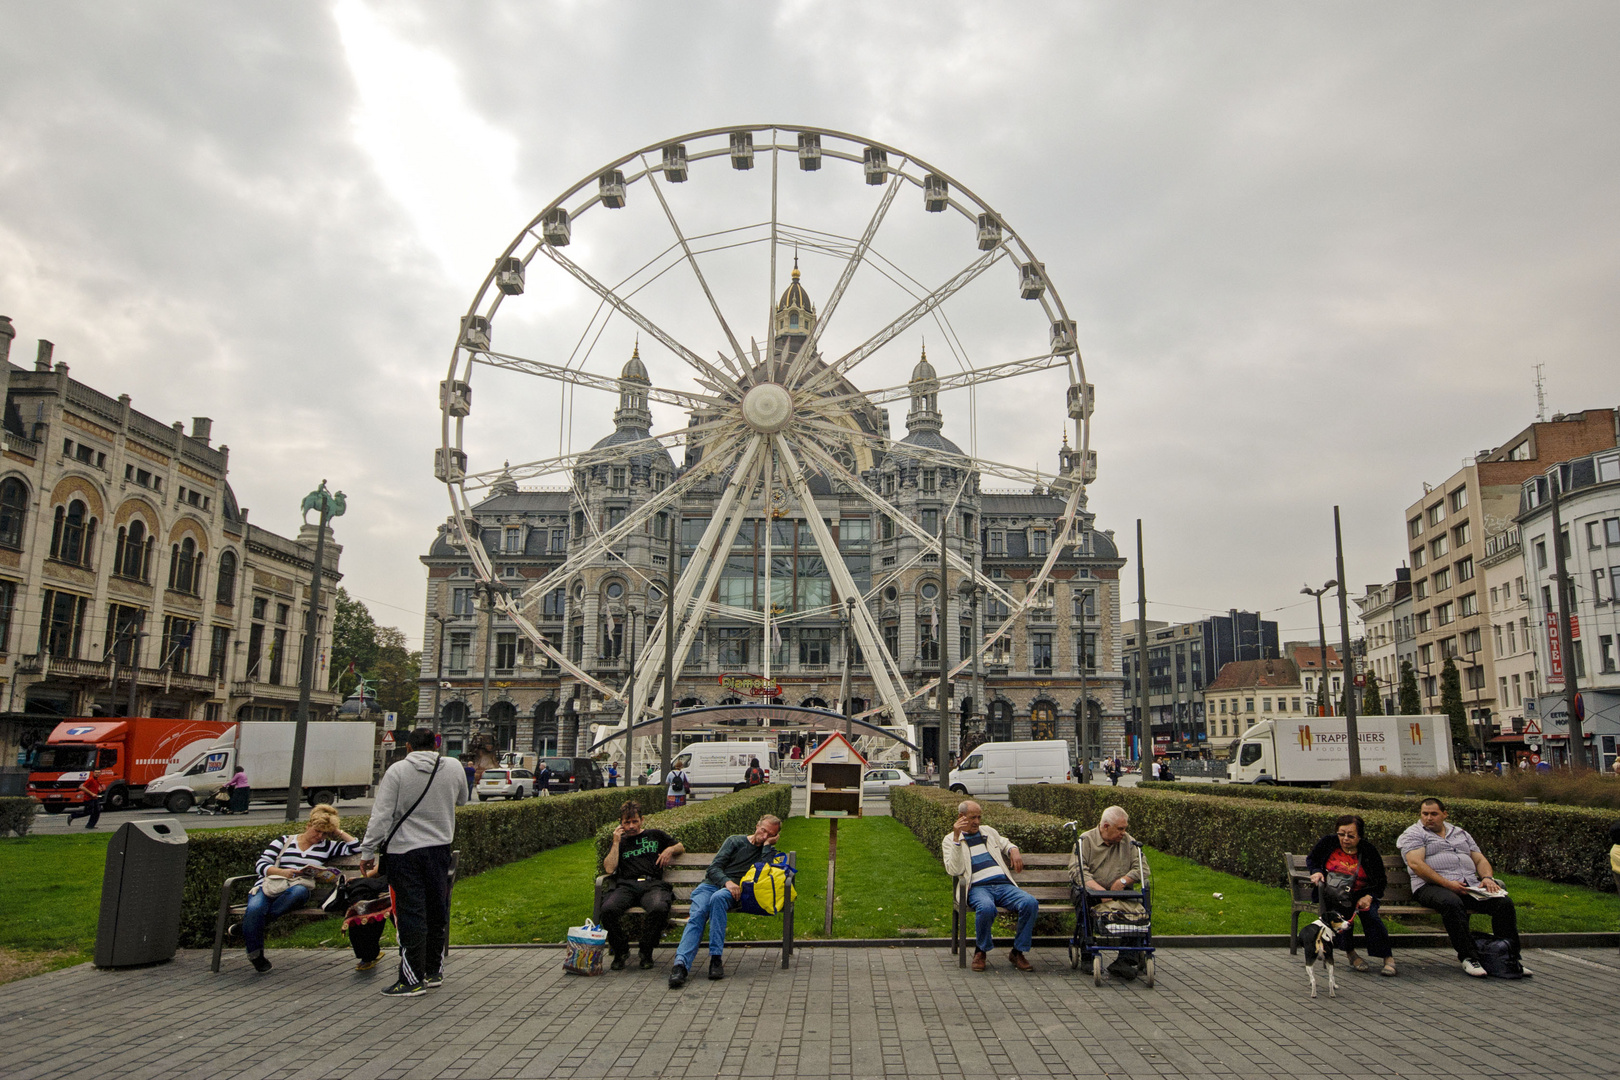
1352, 736
630, 695
329, 505
1321, 631
438, 665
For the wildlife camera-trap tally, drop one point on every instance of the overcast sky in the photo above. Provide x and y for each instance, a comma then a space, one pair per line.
1314, 251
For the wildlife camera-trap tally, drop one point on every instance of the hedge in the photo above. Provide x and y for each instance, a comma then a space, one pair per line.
929, 813
17, 815
704, 826
487, 835
1247, 831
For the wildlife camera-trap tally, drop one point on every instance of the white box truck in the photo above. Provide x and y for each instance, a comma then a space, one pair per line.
338, 758
1314, 751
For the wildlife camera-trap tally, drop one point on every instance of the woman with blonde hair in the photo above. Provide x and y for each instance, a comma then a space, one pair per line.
289, 869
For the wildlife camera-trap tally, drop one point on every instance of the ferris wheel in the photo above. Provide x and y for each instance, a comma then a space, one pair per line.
684, 246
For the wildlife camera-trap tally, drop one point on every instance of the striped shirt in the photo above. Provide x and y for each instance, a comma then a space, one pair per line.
294, 858
986, 871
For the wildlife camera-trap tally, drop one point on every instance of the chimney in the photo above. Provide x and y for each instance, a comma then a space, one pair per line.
201, 429
7, 332
42, 360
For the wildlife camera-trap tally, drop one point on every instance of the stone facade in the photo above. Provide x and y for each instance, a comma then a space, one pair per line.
129, 574
1028, 683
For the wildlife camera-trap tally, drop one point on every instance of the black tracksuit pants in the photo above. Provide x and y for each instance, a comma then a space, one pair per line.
655, 896
421, 882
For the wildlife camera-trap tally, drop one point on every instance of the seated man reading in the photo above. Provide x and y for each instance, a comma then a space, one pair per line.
1108, 863
635, 864
720, 891
1451, 875
989, 860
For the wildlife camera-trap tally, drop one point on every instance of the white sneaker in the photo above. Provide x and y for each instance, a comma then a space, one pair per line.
1522, 969
1472, 967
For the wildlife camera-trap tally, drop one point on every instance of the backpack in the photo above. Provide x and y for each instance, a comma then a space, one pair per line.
1496, 957
768, 886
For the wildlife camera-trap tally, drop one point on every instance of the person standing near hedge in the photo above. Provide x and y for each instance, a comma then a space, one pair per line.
636, 863
988, 861
413, 820
1451, 875
719, 892
1345, 852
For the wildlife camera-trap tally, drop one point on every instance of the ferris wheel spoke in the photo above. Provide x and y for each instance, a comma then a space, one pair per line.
697, 271
702, 574
1010, 369
530, 470
532, 632
723, 381
890, 685
601, 543
1015, 473
850, 265
576, 377
847, 363
953, 560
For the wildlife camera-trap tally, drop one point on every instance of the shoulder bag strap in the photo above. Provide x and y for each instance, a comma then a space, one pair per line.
415, 804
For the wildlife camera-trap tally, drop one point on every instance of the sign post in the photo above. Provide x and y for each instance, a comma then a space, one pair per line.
834, 772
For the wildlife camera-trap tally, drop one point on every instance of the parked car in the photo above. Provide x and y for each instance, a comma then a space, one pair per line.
505, 784
877, 782
574, 774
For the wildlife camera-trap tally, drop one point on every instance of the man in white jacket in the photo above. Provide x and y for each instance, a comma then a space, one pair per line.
989, 860
414, 817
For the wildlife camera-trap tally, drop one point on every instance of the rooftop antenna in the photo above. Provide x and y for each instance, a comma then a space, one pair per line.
1541, 393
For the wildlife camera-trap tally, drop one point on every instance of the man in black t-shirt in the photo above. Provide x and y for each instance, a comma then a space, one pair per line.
635, 865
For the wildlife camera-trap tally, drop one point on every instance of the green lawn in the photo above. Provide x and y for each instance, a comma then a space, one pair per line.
888, 886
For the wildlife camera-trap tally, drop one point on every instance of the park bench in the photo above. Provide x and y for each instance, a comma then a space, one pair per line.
312, 912
1045, 877
1302, 894
685, 874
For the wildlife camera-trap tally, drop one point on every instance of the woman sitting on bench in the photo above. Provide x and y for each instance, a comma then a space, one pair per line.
289, 870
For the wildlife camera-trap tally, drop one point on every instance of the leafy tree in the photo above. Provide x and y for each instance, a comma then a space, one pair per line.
376, 652
396, 672
1451, 701
1372, 703
1321, 697
1410, 705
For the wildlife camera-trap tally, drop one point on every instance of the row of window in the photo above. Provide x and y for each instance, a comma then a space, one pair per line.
1435, 513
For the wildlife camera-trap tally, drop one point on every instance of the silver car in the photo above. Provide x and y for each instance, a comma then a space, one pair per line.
877, 782
505, 784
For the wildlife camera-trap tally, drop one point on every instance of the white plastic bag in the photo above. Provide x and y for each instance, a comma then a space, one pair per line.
585, 950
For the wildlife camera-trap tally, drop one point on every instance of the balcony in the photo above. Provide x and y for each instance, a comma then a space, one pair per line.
263, 691
101, 671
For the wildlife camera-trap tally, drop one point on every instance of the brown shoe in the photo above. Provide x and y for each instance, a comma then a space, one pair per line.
1020, 961
978, 959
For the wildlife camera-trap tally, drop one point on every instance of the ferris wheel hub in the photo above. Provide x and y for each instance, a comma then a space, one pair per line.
767, 407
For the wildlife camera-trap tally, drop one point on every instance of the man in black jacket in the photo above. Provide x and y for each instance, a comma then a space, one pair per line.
713, 900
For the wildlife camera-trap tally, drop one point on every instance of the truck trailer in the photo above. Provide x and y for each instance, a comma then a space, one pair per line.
338, 759
126, 755
1314, 751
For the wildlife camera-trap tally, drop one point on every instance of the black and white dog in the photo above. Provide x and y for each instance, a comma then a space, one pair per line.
1336, 914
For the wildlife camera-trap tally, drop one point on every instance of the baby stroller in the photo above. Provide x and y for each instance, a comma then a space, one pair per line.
1121, 932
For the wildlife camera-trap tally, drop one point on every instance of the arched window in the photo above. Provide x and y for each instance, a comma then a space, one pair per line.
1000, 725
1043, 721
129, 556
183, 566
225, 593
13, 512
73, 534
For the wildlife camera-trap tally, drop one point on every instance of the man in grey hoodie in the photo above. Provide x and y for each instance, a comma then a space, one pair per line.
418, 865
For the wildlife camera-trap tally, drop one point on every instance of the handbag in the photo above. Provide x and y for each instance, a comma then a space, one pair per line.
273, 885
586, 945
382, 848
768, 886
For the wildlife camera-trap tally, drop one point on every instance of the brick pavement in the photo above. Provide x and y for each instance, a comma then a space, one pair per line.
839, 1012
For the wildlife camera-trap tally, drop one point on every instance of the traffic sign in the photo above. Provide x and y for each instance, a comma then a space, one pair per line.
388, 738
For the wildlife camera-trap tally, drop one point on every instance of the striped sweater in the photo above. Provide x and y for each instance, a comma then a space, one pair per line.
293, 858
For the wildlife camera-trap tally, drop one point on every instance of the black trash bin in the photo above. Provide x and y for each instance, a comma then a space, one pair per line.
141, 895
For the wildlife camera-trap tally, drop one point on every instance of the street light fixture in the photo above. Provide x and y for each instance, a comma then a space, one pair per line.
1321, 630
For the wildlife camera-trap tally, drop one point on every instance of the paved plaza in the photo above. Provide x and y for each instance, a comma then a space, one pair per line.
839, 1012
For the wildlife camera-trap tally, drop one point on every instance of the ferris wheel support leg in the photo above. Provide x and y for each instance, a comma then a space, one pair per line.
864, 626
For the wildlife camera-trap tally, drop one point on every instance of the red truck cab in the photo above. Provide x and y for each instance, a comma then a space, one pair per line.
124, 754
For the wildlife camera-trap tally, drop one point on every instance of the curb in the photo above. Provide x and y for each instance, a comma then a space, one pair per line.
1581, 940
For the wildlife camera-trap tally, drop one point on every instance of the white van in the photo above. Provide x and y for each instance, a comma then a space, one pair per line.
718, 767
991, 767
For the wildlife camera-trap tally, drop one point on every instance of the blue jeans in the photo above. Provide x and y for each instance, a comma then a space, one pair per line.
1374, 934
709, 905
90, 809
261, 909
984, 899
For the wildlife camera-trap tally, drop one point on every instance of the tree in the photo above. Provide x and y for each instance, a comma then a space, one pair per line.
1321, 697
1372, 704
354, 642
1410, 705
396, 673
1451, 701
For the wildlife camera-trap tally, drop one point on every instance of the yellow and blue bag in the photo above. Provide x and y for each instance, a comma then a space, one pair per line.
768, 886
